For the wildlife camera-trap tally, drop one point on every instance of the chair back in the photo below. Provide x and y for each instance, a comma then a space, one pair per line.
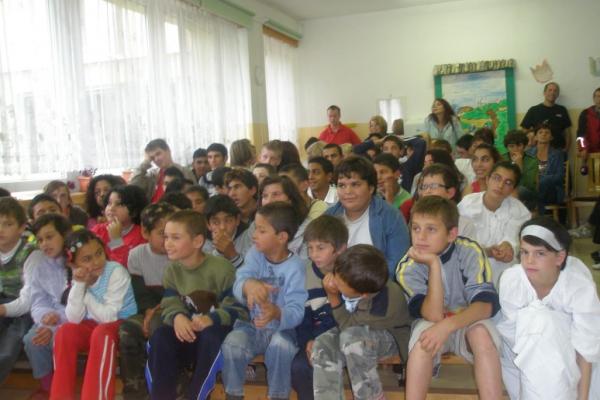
593, 178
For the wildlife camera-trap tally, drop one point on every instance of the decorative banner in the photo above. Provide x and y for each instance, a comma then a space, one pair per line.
479, 66
542, 72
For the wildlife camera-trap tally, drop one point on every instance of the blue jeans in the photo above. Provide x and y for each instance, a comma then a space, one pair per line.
246, 342
12, 331
40, 357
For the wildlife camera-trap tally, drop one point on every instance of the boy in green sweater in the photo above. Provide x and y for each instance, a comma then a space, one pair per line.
198, 310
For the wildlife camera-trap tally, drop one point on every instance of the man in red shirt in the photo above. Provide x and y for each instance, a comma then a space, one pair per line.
335, 131
588, 132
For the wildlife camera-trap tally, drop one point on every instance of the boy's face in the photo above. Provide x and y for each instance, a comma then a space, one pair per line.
200, 166
116, 210
160, 157
215, 160
197, 200
500, 184
345, 289
392, 148
179, 244
333, 155
429, 234
10, 232
50, 241
317, 178
264, 237
433, 185
260, 173
462, 153
385, 175
323, 254
241, 194
354, 193
541, 265
516, 149
61, 195
156, 237
269, 157
45, 207
225, 223
167, 179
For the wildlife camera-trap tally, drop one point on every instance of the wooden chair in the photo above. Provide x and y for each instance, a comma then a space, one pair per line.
564, 205
592, 192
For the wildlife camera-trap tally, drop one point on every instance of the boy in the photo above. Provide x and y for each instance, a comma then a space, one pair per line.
447, 280
262, 170
200, 164
225, 229
297, 174
60, 192
196, 308
171, 174
515, 142
373, 323
271, 284
320, 173
17, 260
388, 174
217, 158
42, 204
271, 153
333, 153
147, 263
393, 145
242, 187
198, 195
326, 239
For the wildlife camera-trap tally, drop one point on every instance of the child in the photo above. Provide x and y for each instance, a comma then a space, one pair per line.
198, 195
549, 319
485, 156
373, 323
42, 204
122, 231
271, 153
326, 238
217, 158
49, 283
200, 164
388, 174
515, 142
242, 187
333, 153
299, 176
17, 262
447, 280
393, 145
320, 173
225, 229
262, 170
60, 192
99, 187
99, 299
197, 309
147, 263
271, 284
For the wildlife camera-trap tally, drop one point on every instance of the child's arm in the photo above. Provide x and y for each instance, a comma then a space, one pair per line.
22, 304
247, 288
229, 308
295, 296
585, 368
432, 308
41, 301
171, 303
107, 311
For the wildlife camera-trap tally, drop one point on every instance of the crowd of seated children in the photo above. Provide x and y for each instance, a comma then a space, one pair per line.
146, 264
271, 285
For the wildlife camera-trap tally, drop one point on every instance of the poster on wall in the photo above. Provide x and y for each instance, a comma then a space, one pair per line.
480, 98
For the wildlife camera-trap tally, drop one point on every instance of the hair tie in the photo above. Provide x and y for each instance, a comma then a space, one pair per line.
542, 233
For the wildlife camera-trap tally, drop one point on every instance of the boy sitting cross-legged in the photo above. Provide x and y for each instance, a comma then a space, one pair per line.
448, 282
271, 283
373, 323
326, 238
197, 308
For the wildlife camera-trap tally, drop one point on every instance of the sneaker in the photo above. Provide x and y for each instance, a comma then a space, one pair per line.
584, 231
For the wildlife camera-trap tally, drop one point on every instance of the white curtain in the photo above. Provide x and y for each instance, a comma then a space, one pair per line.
280, 63
90, 82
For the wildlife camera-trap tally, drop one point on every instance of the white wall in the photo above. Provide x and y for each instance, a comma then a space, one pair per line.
353, 61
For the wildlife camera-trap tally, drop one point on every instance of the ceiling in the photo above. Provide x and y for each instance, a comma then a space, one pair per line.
312, 9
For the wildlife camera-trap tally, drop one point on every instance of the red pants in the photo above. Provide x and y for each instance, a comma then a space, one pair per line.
101, 340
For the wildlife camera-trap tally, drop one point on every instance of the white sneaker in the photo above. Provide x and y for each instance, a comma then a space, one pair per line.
584, 231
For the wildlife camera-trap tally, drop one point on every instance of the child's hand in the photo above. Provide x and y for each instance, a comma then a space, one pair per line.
329, 285
184, 329
224, 244
517, 158
201, 322
268, 313
42, 337
309, 346
256, 292
502, 252
433, 338
50, 319
115, 229
81, 275
147, 318
422, 257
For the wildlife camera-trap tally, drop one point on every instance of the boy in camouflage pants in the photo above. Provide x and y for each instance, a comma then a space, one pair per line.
373, 323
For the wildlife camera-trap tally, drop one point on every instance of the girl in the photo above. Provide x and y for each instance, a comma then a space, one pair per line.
101, 296
550, 314
50, 281
484, 158
94, 197
122, 232
443, 123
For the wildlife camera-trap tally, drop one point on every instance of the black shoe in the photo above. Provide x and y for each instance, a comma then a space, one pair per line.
596, 257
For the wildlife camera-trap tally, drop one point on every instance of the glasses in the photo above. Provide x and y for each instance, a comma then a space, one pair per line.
431, 186
498, 179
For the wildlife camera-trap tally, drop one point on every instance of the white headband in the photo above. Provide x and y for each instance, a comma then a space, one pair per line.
542, 233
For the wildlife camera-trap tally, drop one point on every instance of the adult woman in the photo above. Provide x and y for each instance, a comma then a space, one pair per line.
443, 123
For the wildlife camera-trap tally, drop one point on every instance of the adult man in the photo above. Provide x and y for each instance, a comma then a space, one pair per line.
588, 129
150, 178
553, 114
335, 131
217, 158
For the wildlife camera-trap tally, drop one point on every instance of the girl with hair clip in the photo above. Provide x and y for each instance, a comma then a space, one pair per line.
99, 299
550, 319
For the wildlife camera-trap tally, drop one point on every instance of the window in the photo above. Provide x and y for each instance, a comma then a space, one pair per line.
391, 109
90, 82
